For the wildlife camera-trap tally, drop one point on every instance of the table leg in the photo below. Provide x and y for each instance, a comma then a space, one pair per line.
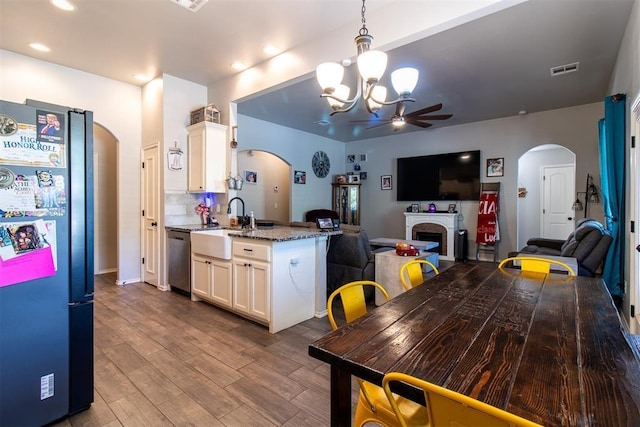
340, 397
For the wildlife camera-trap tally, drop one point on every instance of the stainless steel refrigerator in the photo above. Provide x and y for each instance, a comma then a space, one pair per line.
46, 262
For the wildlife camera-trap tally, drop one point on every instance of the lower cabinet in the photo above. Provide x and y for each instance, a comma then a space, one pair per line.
252, 279
251, 287
211, 279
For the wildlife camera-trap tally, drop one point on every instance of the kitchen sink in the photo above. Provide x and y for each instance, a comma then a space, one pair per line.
213, 243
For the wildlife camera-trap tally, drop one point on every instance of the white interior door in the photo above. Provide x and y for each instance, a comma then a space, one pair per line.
558, 192
150, 215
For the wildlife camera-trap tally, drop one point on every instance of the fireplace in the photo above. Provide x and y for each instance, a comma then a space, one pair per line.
432, 237
435, 227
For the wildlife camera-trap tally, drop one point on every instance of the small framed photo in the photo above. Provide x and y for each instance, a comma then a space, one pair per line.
299, 177
452, 208
351, 158
415, 207
363, 157
363, 176
250, 177
385, 182
495, 167
353, 179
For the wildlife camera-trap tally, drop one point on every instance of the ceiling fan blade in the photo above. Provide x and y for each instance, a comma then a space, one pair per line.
426, 110
371, 121
433, 117
378, 125
421, 124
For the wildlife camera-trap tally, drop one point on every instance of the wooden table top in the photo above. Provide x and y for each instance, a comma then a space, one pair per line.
549, 348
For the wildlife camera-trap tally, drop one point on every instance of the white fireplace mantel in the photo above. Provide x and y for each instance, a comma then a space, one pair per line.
444, 219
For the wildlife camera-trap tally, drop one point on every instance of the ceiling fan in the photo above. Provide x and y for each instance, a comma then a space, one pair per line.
417, 118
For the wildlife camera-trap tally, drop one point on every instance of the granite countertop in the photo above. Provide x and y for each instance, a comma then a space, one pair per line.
273, 234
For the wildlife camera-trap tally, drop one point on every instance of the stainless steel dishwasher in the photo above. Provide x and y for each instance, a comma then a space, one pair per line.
179, 260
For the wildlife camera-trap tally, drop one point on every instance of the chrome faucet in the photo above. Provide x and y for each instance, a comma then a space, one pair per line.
244, 221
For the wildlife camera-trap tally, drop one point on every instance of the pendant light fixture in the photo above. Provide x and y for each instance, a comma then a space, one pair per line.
371, 66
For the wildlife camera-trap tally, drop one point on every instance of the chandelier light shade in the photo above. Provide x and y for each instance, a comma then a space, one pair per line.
404, 80
371, 67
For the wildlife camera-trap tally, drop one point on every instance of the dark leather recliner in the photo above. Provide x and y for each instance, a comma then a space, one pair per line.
588, 244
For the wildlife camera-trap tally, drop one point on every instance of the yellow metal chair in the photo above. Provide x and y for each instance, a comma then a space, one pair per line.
447, 408
539, 265
411, 273
373, 405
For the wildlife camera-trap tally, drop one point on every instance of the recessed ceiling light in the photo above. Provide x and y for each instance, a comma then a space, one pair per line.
63, 4
322, 122
142, 77
271, 50
238, 66
40, 47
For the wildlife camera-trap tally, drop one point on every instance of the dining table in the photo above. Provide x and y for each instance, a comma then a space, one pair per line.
550, 348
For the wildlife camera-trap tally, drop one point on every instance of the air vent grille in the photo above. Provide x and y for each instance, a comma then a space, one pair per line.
192, 5
564, 69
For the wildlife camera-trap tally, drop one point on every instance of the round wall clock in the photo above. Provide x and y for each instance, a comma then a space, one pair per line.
320, 164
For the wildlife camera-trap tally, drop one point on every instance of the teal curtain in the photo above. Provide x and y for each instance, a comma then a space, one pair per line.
612, 172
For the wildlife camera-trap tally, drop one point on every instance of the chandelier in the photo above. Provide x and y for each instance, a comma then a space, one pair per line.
371, 67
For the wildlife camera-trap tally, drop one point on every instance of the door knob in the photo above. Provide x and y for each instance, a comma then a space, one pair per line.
569, 218
154, 224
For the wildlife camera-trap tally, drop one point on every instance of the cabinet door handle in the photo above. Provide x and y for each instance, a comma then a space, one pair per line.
247, 250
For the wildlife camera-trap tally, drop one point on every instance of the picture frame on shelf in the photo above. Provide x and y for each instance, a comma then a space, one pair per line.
452, 208
353, 179
415, 208
495, 167
341, 179
385, 182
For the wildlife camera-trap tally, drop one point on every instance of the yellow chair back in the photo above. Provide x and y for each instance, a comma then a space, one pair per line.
353, 302
539, 265
447, 408
372, 402
411, 273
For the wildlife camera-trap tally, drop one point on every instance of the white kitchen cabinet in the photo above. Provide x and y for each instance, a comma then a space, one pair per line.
252, 279
207, 158
211, 280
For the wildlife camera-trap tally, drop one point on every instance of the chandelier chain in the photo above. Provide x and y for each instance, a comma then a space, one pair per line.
363, 30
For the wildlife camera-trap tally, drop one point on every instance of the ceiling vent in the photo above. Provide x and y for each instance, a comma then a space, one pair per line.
192, 5
564, 69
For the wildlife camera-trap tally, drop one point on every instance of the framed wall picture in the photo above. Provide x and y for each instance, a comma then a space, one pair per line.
299, 177
495, 167
250, 177
353, 179
385, 182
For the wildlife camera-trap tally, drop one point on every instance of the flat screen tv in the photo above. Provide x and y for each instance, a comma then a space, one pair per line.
451, 176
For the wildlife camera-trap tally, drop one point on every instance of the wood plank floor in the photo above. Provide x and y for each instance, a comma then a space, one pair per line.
163, 360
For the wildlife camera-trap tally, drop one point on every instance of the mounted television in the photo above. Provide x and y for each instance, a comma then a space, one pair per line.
451, 176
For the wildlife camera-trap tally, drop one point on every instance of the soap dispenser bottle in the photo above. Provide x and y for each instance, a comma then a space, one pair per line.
252, 221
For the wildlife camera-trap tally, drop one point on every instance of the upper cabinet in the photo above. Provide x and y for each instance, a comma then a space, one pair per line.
207, 158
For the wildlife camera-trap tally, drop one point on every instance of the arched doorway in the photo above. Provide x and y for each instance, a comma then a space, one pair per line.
269, 195
105, 162
531, 187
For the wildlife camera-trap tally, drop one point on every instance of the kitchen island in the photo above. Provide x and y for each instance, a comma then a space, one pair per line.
276, 276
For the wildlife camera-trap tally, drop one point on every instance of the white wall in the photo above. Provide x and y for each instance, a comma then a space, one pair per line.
382, 216
116, 106
262, 197
297, 149
530, 206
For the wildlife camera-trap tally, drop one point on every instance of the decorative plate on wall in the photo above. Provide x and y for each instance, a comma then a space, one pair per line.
320, 164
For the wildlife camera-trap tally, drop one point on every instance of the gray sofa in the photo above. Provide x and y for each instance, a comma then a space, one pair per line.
588, 243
